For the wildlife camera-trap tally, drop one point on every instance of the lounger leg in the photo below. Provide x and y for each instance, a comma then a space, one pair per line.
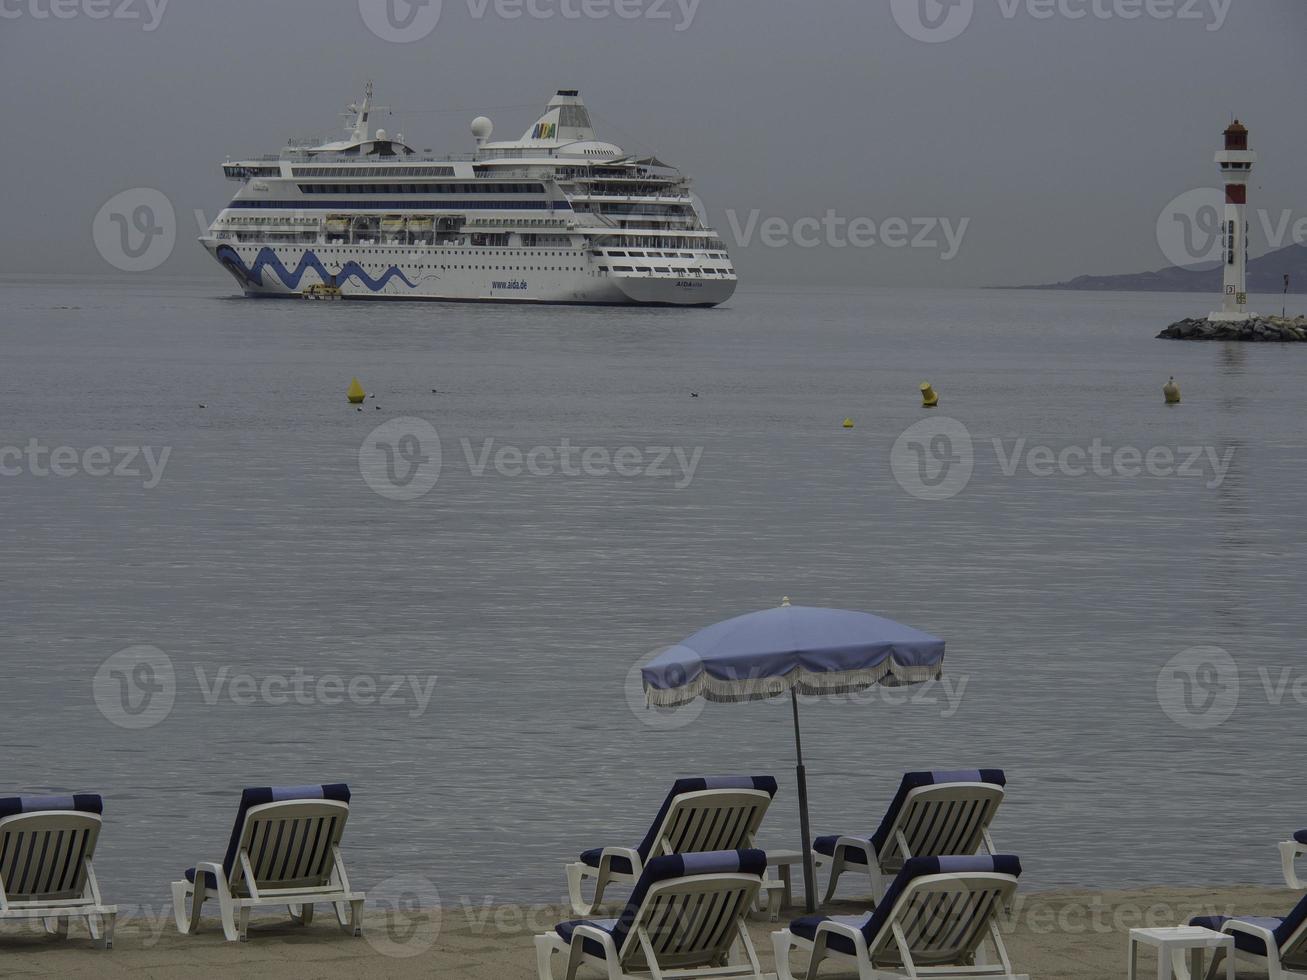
243, 922
181, 891
836, 869
574, 960
576, 873
93, 926
306, 914
818, 954
110, 921
228, 913
781, 947
56, 926
356, 917
1288, 851
179, 918
544, 958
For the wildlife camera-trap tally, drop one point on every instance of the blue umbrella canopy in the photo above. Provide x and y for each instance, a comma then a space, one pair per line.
814, 651
794, 649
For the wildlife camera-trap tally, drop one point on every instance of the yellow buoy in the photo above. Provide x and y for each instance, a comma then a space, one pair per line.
356, 394
929, 399
1172, 392
848, 423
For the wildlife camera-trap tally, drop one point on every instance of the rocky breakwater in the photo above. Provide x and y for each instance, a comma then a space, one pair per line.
1257, 330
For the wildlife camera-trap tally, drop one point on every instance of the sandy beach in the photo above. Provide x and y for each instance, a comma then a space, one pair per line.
1051, 936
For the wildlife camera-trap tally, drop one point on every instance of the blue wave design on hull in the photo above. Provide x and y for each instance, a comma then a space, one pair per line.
267, 259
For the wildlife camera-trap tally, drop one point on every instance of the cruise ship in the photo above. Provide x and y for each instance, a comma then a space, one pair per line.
558, 216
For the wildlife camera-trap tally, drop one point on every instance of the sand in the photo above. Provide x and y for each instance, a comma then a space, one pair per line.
1050, 936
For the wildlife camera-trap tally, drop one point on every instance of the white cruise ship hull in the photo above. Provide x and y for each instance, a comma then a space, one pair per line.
558, 216
454, 275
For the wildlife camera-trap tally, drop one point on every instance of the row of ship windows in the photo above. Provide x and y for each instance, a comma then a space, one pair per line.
663, 210
248, 172
418, 205
541, 268
664, 270
664, 241
372, 171
422, 188
381, 267
244, 220
396, 251
663, 255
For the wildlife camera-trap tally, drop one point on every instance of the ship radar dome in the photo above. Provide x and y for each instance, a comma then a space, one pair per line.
381, 135
482, 128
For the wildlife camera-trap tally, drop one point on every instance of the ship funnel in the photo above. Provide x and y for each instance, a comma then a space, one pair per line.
565, 120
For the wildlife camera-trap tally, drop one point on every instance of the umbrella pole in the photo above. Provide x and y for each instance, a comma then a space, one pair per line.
809, 872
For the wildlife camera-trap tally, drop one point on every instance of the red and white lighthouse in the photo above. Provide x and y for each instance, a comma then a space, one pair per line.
1236, 163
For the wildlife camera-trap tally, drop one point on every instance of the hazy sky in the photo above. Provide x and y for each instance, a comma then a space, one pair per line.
1058, 130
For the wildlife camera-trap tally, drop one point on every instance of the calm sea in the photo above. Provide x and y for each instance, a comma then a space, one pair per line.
257, 558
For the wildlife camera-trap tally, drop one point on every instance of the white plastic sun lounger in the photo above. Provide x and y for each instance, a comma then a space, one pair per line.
46, 847
935, 920
1290, 851
714, 813
1275, 946
284, 850
933, 814
686, 918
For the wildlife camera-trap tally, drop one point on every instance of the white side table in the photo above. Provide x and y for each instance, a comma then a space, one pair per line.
1173, 944
779, 892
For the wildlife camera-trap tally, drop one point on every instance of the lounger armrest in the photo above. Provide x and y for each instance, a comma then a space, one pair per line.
1248, 929
601, 936
213, 868
630, 853
577, 950
851, 933
860, 843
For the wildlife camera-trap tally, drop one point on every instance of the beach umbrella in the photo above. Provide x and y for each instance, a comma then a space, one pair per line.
795, 650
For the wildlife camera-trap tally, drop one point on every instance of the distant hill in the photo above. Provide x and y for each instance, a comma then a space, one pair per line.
1265, 275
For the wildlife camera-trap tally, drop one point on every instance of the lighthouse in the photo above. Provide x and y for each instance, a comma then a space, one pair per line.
1236, 163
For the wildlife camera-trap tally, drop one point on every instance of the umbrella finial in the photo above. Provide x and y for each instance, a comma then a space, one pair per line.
785, 600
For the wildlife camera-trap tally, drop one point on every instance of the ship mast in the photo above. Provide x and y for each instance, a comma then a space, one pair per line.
358, 128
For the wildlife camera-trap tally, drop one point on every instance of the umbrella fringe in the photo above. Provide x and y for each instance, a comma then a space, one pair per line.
711, 688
